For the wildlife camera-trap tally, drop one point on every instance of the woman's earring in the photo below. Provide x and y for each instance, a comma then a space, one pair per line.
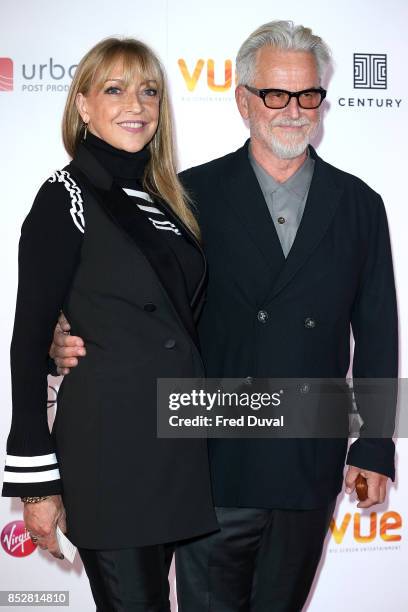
85, 126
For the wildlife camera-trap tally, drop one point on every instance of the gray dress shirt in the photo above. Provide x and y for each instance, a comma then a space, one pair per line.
286, 201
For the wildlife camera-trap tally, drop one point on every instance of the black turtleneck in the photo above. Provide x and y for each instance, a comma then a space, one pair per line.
49, 254
123, 166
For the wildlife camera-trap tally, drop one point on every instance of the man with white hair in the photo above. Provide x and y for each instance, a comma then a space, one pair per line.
298, 254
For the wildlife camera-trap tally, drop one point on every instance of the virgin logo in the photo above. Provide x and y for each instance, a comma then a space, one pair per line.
16, 540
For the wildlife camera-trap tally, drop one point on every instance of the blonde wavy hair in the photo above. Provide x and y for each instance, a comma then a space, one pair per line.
160, 179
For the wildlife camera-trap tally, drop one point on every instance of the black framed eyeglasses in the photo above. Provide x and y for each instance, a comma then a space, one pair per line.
279, 98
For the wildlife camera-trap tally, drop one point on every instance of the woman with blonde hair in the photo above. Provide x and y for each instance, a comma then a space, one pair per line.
130, 277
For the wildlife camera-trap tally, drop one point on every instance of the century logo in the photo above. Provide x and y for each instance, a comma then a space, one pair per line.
6, 74
370, 72
16, 540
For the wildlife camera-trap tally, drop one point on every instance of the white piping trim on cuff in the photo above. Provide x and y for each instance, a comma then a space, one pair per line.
35, 461
25, 477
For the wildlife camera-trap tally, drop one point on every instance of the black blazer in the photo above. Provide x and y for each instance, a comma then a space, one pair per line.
338, 273
121, 485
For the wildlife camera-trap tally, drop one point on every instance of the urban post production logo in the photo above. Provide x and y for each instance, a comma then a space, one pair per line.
52, 76
16, 541
370, 73
6, 74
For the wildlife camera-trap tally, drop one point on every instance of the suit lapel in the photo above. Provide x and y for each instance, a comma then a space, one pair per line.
246, 199
143, 235
321, 205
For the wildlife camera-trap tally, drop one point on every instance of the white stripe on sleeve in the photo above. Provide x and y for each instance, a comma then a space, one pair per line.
25, 477
36, 461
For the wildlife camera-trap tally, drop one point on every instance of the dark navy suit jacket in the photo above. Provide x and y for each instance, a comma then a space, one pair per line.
338, 273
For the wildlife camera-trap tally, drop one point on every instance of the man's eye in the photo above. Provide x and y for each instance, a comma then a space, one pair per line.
112, 90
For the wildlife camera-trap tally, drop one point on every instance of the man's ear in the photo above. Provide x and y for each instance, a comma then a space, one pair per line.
241, 98
81, 104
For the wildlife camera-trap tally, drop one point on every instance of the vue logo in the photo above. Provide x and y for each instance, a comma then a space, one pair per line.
191, 77
386, 526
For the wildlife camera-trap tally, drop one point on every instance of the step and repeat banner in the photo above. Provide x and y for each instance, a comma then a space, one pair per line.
364, 131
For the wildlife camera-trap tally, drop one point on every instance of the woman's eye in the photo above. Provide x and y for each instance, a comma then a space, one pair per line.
151, 92
112, 90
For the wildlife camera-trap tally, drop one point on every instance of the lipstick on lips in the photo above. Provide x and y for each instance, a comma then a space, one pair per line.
134, 127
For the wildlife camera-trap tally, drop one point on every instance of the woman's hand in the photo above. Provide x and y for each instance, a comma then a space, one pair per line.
65, 349
41, 520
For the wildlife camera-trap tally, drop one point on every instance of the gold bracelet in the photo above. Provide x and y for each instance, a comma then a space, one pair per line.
33, 500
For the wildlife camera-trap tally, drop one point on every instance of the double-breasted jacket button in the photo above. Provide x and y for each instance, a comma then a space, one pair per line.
262, 316
170, 343
149, 307
310, 323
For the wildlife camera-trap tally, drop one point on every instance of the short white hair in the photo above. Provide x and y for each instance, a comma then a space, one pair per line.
283, 35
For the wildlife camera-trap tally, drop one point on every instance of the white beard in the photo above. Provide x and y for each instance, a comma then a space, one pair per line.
291, 147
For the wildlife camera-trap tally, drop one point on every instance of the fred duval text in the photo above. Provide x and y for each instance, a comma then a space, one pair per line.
220, 421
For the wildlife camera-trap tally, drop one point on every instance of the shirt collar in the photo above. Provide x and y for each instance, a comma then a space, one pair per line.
298, 184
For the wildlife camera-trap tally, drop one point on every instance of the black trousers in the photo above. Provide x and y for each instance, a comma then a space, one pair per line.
129, 579
260, 561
